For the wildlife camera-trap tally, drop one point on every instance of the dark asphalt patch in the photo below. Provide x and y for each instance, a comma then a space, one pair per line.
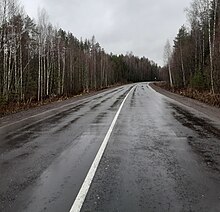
206, 144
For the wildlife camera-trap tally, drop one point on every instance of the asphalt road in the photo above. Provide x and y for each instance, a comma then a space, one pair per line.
161, 156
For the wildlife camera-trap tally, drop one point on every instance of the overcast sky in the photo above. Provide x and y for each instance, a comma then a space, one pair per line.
120, 26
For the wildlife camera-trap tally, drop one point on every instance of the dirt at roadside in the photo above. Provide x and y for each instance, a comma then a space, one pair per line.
11, 108
23, 114
212, 112
206, 144
204, 96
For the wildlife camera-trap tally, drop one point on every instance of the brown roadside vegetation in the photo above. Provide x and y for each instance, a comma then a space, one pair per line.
202, 96
15, 107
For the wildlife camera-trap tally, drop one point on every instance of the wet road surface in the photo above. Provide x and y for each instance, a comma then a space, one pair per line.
161, 156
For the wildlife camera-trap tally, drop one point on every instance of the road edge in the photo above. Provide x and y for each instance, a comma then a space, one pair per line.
211, 112
43, 112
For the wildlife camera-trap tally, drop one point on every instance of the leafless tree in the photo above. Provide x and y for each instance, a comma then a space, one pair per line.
167, 60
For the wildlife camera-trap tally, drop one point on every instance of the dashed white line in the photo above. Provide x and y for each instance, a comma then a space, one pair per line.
78, 203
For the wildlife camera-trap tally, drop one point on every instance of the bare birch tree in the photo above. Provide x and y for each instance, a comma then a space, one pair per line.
167, 60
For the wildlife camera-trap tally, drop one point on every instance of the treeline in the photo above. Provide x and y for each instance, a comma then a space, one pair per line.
194, 60
38, 61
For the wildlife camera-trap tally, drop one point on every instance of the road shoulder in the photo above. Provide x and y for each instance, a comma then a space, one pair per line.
211, 112
44, 109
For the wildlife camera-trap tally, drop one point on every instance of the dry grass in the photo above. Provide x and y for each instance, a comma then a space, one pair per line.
202, 96
15, 107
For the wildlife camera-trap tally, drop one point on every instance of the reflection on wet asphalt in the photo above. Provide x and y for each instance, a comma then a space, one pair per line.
160, 157
28, 152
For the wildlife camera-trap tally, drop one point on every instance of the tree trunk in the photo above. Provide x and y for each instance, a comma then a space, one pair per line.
48, 74
210, 51
63, 72
170, 75
39, 72
21, 72
182, 65
59, 68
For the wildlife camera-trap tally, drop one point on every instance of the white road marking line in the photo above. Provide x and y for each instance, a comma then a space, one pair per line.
148, 85
77, 205
159, 94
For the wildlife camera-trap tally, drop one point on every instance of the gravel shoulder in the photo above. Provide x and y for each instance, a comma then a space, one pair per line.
211, 112
204, 120
26, 114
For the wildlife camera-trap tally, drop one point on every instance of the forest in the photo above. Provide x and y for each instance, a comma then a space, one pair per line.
39, 61
193, 62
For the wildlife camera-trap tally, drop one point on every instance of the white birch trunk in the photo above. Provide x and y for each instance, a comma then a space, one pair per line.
59, 68
210, 49
182, 65
21, 71
63, 72
39, 71
48, 73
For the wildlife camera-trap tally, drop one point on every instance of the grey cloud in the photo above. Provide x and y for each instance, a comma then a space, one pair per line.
140, 26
